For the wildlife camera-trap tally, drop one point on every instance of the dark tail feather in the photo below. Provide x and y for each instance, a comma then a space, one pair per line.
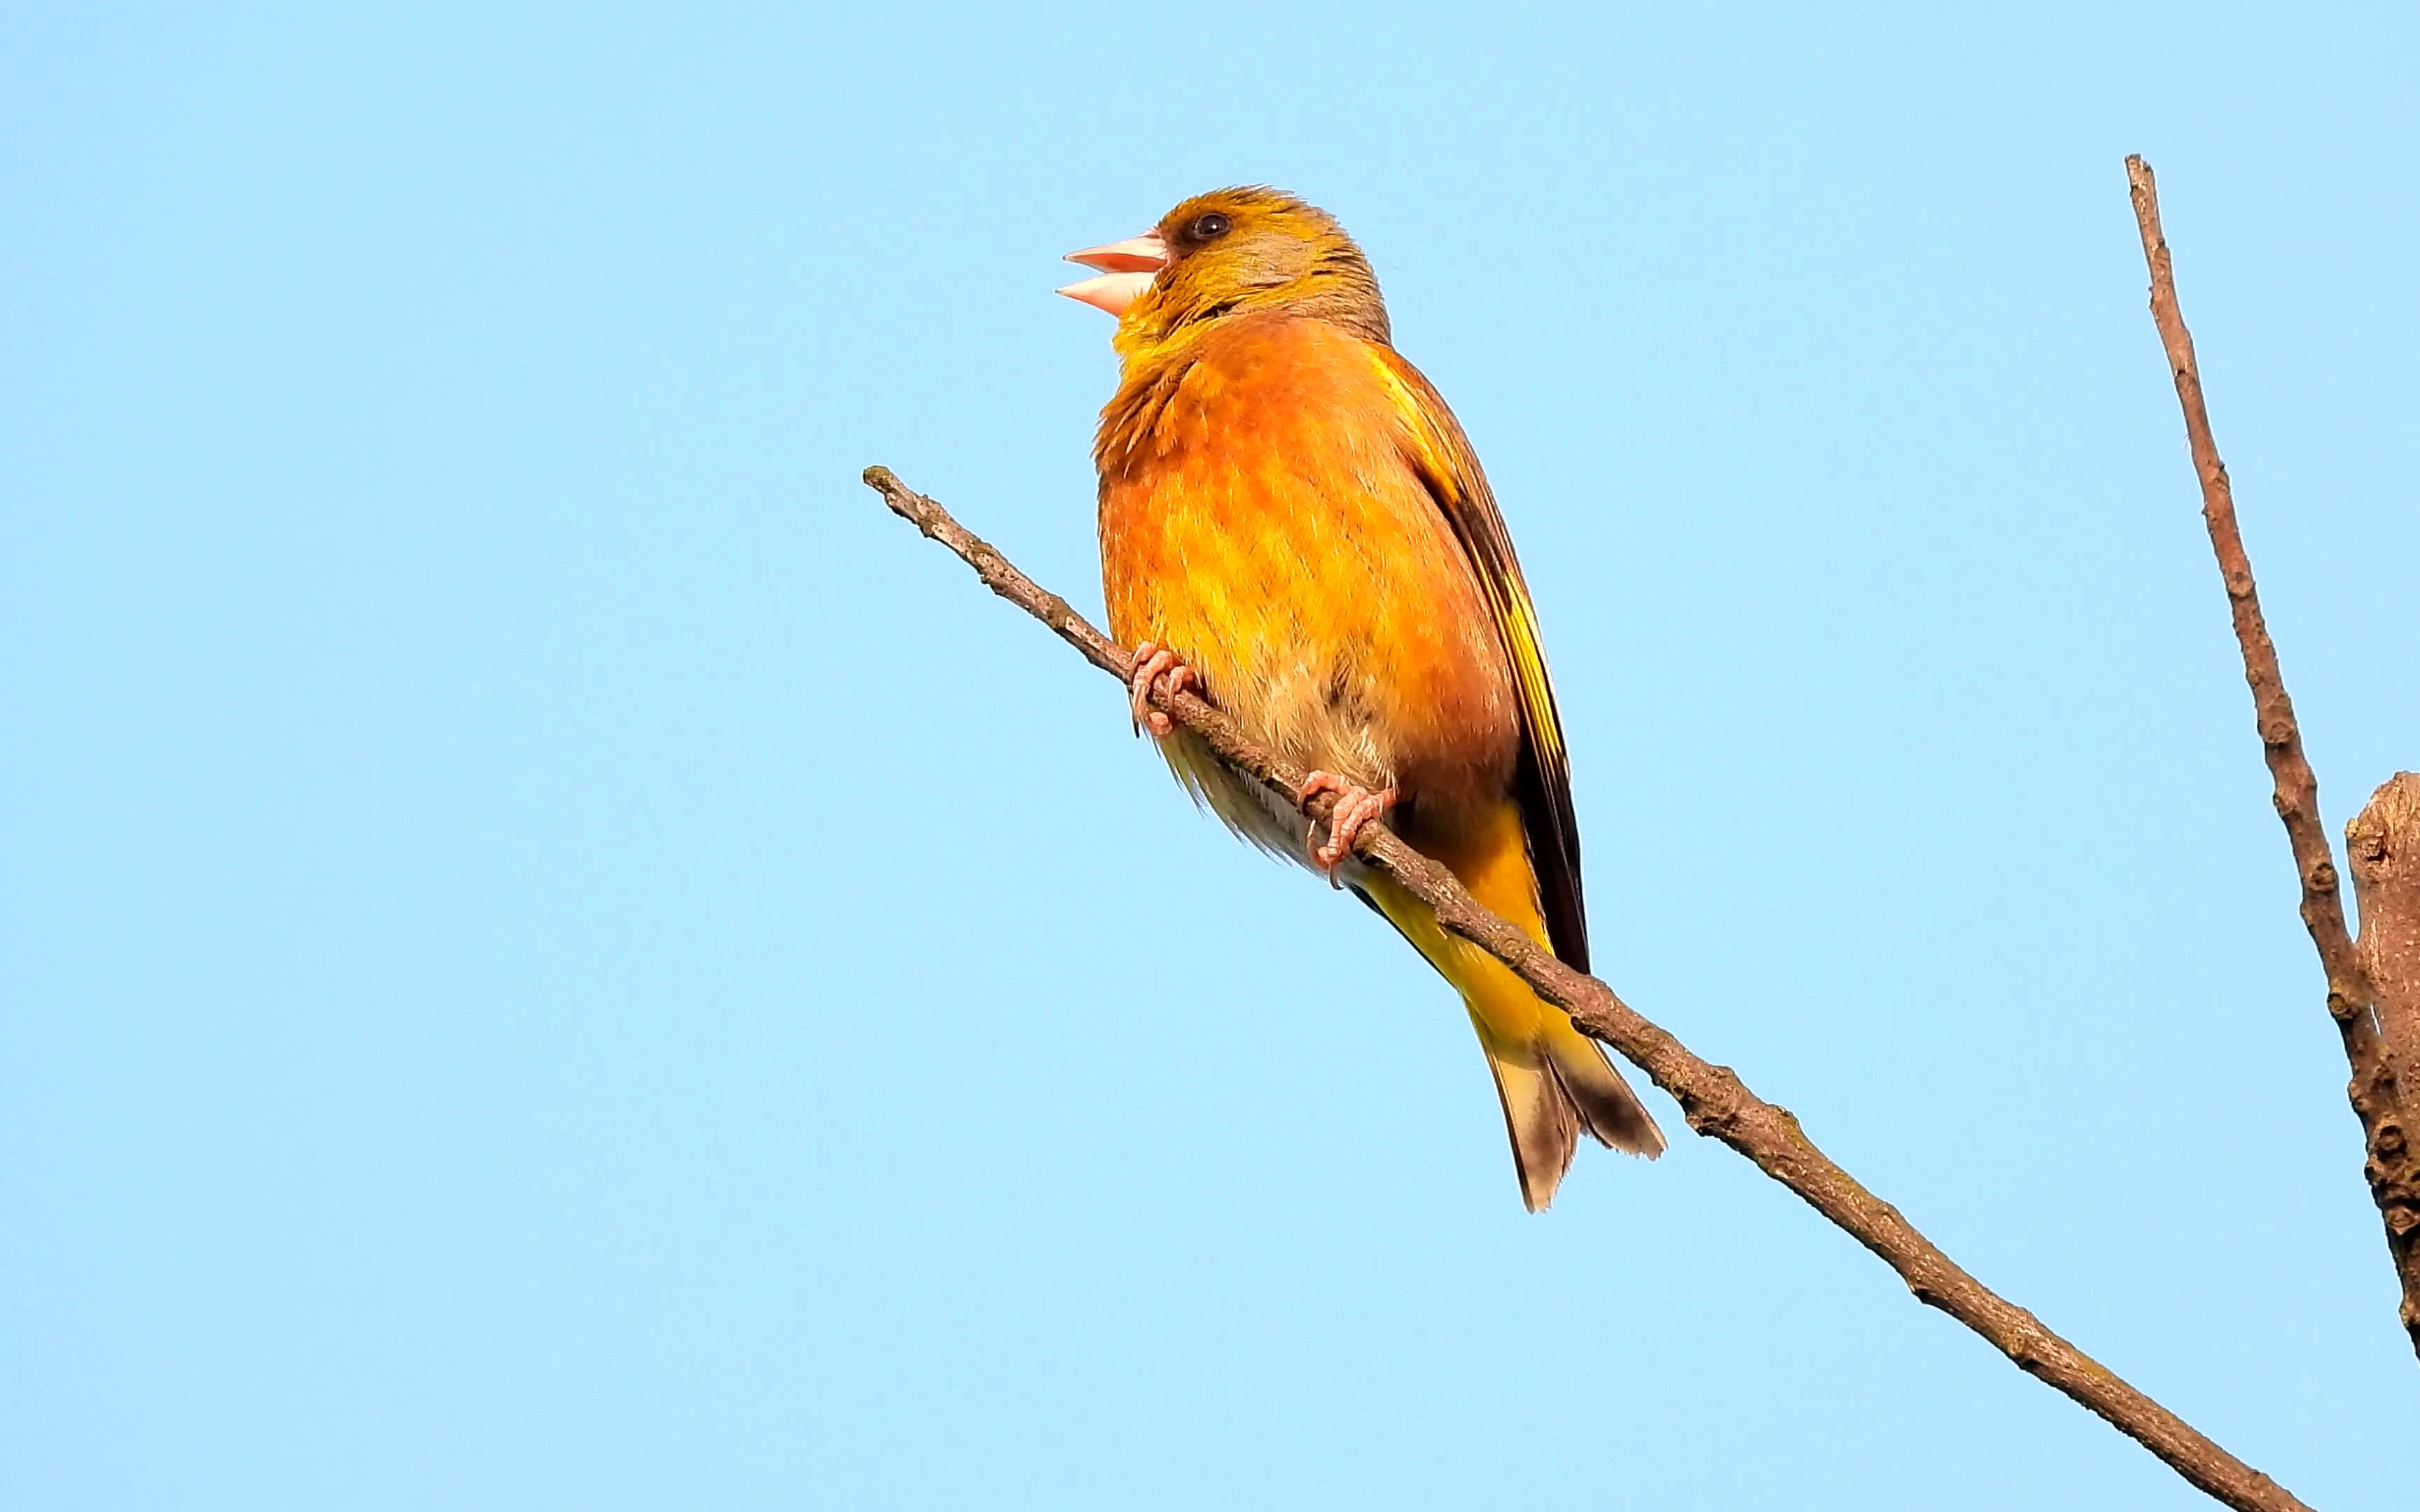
1607, 1107
1540, 1116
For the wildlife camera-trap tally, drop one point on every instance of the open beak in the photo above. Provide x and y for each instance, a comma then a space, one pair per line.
1126, 267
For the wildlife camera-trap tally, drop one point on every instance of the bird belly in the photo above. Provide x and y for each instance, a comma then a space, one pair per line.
1338, 627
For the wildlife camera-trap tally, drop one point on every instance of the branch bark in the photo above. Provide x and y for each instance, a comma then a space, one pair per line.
2392, 1167
2383, 842
1713, 1100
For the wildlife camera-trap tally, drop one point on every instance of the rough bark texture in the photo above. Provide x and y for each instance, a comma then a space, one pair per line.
2383, 842
1715, 1103
2392, 1166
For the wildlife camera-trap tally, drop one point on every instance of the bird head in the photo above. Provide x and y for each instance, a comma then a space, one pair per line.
1228, 252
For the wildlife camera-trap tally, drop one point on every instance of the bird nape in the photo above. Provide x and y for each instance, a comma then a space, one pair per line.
1293, 526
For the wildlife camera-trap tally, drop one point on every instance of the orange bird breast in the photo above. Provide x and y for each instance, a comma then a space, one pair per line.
1263, 514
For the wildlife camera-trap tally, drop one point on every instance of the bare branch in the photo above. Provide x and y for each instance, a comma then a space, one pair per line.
1714, 1101
2281, 737
2383, 842
2393, 1168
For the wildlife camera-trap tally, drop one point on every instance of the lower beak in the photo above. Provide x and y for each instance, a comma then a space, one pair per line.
1127, 268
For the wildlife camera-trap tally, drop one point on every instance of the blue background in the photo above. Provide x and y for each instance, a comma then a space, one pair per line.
556, 955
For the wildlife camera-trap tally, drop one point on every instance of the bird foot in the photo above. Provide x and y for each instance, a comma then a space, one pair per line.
1355, 806
1155, 664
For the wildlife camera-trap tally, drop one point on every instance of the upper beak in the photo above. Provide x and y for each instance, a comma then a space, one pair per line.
1126, 267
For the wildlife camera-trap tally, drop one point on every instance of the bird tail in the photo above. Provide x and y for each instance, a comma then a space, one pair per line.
1553, 1080
1553, 1083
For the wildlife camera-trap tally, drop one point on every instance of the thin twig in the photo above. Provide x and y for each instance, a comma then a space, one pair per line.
2392, 1166
1713, 1100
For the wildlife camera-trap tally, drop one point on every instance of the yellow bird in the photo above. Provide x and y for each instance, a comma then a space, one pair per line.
1293, 526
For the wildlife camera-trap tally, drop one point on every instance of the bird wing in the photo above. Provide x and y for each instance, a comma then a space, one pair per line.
1450, 469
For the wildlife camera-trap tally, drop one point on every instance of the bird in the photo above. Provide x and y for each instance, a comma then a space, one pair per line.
1294, 527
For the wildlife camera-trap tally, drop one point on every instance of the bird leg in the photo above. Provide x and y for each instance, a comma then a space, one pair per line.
1355, 806
1153, 662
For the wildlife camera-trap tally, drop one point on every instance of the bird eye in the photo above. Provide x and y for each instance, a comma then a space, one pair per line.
1212, 225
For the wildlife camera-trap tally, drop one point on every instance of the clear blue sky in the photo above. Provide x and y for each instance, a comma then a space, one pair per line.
557, 956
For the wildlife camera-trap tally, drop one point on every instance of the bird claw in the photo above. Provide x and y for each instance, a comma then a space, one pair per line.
1153, 662
1355, 806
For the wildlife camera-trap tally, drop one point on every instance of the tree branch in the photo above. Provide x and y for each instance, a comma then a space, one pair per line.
1715, 1103
2384, 842
2393, 1167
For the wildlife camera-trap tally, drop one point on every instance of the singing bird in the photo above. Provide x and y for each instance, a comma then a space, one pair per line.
1293, 526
